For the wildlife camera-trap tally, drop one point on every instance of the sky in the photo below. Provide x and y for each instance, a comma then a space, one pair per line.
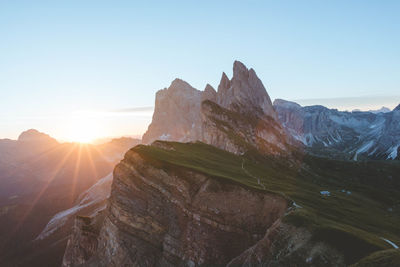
68, 67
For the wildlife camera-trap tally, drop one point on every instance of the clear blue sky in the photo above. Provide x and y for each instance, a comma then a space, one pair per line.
58, 58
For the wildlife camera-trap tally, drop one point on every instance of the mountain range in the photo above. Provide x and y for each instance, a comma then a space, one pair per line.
351, 135
224, 177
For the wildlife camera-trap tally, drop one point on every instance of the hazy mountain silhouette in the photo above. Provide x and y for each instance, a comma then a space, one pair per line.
40, 177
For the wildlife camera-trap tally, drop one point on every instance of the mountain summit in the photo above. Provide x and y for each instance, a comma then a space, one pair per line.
244, 91
237, 118
33, 135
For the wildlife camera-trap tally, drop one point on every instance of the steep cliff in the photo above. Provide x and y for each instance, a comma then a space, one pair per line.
160, 216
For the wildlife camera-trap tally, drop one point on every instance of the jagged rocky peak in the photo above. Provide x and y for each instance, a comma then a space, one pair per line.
245, 91
209, 93
33, 135
224, 85
240, 110
178, 88
397, 108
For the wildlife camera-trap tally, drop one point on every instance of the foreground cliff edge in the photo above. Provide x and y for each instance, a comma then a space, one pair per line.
184, 204
244, 195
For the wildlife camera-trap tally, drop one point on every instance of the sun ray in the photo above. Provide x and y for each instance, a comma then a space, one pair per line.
45, 186
91, 162
35, 159
76, 171
101, 153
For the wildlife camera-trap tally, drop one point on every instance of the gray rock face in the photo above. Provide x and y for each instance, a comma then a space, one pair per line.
353, 134
238, 115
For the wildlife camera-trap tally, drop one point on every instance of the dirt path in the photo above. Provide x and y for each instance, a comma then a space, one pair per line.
249, 174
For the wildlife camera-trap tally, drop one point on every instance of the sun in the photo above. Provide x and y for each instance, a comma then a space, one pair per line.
85, 137
83, 129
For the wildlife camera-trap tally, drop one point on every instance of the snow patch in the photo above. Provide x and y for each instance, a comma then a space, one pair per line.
164, 137
309, 139
297, 206
364, 148
393, 152
390, 242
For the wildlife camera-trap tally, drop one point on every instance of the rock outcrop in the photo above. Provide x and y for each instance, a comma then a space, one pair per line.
237, 117
83, 243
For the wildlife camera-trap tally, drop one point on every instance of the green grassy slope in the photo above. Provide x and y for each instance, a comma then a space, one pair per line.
383, 258
353, 222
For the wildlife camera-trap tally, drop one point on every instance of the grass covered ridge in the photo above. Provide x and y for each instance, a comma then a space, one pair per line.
352, 222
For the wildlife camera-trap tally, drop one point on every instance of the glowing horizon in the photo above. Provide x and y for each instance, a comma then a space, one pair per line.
90, 126
59, 58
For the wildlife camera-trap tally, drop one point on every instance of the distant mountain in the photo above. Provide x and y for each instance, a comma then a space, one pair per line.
40, 177
352, 135
34, 136
381, 110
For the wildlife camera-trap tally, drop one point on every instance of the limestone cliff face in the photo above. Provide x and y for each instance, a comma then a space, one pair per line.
176, 217
176, 114
237, 117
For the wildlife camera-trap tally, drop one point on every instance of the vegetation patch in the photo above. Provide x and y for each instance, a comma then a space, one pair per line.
384, 258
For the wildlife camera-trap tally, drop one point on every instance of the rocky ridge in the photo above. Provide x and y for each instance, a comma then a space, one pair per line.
237, 117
